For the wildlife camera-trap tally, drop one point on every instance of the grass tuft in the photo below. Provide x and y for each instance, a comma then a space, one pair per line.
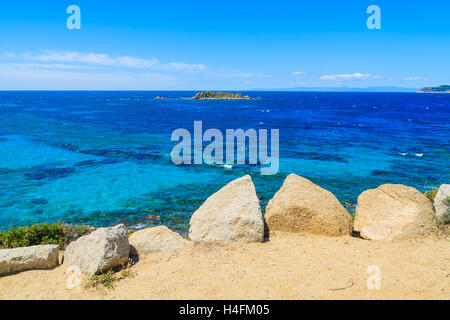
107, 279
431, 194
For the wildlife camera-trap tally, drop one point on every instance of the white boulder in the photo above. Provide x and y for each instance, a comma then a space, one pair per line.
100, 250
28, 258
394, 211
232, 214
303, 207
440, 204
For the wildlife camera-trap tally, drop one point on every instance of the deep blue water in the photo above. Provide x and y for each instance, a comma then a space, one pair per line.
100, 158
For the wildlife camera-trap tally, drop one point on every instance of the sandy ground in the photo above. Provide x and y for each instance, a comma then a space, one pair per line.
289, 266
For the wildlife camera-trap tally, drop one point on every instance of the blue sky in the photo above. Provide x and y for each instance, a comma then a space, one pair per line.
223, 45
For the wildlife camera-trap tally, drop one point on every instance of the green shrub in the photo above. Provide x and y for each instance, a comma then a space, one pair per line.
36, 234
431, 194
124, 274
106, 279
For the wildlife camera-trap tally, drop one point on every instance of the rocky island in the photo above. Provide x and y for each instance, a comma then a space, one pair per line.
440, 89
208, 95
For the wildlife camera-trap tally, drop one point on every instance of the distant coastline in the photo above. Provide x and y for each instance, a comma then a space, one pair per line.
440, 89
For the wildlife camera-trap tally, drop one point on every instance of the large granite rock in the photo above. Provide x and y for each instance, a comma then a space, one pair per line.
303, 207
440, 204
394, 211
28, 258
232, 214
100, 250
155, 239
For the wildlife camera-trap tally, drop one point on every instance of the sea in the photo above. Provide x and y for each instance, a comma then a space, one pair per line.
104, 157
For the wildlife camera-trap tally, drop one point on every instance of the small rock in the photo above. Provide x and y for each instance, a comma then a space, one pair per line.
28, 258
155, 239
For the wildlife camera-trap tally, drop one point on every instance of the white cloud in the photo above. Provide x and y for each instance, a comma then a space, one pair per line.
8, 55
91, 58
353, 76
75, 70
237, 75
66, 69
297, 73
104, 60
412, 78
43, 66
181, 66
133, 62
12, 78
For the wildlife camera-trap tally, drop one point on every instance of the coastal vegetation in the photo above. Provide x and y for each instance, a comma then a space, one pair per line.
42, 234
38, 234
106, 279
431, 194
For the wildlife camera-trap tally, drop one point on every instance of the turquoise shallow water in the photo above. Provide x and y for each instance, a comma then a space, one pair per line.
100, 158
